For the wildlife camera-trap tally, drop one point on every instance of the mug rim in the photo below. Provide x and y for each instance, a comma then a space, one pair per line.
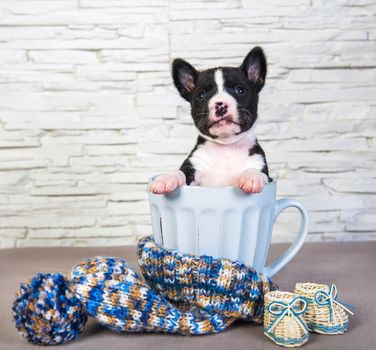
195, 187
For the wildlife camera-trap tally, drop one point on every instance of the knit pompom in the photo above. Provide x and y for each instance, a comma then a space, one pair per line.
46, 311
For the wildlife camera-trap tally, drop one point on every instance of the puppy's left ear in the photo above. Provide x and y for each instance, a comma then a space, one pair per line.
185, 77
254, 67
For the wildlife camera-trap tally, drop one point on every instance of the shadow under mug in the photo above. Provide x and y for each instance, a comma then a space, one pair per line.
224, 222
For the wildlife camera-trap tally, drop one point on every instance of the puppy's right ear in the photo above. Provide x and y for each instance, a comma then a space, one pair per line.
185, 77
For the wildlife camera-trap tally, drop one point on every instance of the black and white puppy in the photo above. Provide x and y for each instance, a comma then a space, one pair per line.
224, 110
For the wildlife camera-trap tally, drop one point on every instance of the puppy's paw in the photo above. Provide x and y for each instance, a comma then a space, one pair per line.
167, 183
251, 181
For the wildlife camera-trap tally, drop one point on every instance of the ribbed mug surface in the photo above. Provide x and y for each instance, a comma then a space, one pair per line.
218, 221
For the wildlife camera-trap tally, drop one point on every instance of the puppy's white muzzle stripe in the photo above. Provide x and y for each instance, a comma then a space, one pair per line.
218, 77
232, 109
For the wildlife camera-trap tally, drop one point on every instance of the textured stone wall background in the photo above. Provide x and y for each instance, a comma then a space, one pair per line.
88, 110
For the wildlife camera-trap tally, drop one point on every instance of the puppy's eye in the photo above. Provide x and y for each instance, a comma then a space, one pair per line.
240, 90
200, 95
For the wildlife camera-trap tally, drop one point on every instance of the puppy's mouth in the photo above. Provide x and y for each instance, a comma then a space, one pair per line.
223, 122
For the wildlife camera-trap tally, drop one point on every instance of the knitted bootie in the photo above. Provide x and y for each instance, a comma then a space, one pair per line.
325, 314
283, 321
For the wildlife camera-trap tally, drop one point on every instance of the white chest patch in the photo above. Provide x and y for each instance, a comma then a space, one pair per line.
221, 164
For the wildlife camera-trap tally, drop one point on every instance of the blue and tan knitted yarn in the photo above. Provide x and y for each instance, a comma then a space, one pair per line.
46, 311
185, 294
215, 285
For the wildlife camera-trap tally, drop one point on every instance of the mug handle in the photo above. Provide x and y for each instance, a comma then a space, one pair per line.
280, 262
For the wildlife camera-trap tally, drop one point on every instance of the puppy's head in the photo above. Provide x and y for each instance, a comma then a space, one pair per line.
224, 99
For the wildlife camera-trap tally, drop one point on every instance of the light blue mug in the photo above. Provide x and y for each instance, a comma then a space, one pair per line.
224, 222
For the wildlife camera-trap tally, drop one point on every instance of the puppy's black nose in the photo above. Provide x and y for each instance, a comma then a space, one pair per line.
220, 109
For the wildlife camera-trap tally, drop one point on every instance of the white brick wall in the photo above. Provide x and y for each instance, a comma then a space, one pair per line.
88, 110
